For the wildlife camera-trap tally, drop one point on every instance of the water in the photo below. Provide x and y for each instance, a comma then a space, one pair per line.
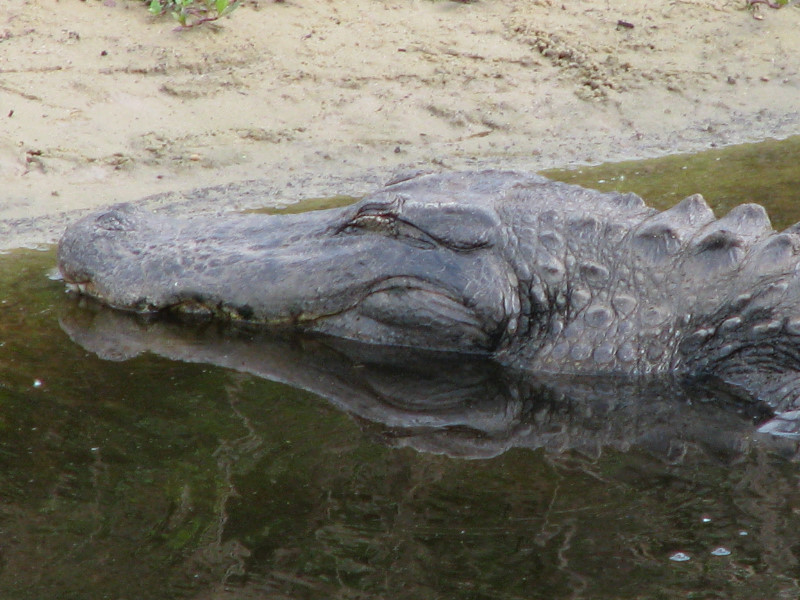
142, 475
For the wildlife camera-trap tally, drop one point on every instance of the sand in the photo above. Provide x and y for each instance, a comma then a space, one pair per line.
101, 102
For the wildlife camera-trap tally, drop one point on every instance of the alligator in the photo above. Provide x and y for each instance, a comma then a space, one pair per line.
539, 275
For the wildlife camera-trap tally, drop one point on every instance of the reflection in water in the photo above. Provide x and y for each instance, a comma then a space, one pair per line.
456, 405
334, 515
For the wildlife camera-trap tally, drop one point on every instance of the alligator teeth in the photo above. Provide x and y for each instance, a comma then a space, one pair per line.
80, 288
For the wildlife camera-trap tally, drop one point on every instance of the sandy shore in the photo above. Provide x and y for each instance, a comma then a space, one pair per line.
101, 103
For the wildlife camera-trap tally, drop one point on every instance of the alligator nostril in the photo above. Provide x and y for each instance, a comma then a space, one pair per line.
117, 218
113, 221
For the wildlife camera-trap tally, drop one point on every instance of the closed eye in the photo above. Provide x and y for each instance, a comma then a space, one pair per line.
449, 227
373, 222
376, 217
388, 224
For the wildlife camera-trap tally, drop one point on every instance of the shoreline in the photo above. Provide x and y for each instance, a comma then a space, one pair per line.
295, 100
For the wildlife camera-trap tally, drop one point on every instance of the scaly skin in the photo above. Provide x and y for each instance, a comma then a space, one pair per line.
542, 276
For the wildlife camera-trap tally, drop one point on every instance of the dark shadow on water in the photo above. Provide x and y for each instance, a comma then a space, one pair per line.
151, 459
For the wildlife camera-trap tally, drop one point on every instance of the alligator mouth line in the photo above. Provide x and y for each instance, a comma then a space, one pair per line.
409, 283
395, 301
417, 295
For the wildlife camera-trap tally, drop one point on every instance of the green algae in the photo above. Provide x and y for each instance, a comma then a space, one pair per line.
307, 204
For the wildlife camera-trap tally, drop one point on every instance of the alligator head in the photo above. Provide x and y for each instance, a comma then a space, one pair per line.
393, 269
542, 275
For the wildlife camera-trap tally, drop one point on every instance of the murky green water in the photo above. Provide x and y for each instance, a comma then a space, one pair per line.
308, 204
148, 476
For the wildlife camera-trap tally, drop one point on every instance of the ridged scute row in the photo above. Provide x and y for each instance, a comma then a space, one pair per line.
700, 246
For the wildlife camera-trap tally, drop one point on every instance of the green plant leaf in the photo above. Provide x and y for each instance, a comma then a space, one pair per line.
232, 6
193, 12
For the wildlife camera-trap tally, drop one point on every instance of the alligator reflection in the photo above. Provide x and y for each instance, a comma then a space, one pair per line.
456, 405
230, 486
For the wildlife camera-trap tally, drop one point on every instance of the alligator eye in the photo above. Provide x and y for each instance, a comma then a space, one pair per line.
371, 216
373, 221
370, 222
387, 223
